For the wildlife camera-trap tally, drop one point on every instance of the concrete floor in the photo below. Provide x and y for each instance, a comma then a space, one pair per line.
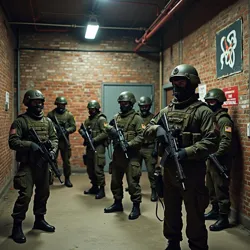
82, 225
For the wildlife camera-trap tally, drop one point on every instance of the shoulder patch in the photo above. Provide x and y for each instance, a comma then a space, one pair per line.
228, 129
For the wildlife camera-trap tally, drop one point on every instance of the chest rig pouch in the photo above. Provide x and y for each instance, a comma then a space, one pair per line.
181, 123
42, 129
126, 125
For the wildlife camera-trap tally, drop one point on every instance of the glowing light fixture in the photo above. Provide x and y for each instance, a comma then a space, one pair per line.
92, 28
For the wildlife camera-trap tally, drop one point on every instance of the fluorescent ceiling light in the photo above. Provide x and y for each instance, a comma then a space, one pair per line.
91, 30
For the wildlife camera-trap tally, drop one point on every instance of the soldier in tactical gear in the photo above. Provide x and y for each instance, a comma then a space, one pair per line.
196, 140
95, 161
148, 147
27, 154
68, 126
218, 186
130, 123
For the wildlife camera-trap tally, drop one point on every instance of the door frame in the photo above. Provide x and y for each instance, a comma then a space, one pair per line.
165, 87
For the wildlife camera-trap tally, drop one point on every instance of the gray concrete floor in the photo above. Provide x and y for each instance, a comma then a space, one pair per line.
82, 225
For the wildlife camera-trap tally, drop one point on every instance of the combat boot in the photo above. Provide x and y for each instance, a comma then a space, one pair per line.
93, 190
101, 193
213, 214
67, 182
135, 213
115, 207
221, 223
17, 232
173, 245
154, 196
43, 225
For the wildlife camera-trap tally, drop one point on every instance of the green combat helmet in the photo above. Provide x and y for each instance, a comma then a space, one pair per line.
144, 100
187, 71
216, 94
61, 100
127, 96
32, 95
93, 105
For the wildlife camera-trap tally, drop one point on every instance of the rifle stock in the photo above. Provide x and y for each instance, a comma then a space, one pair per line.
46, 155
172, 150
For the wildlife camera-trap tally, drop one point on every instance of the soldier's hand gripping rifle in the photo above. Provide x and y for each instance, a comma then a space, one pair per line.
171, 150
61, 132
45, 157
85, 134
121, 139
222, 169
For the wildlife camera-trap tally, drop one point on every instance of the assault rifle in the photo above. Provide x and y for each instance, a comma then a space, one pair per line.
87, 136
46, 157
171, 150
222, 169
58, 126
121, 139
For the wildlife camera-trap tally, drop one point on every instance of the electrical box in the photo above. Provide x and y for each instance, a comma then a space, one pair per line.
248, 129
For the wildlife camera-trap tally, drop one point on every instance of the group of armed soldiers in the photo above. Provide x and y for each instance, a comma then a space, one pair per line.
189, 139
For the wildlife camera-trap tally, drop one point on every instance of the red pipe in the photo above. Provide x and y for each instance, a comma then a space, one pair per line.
151, 31
35, 19
135, 2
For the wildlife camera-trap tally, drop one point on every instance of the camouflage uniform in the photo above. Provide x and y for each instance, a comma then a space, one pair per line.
67, 122
197, 139
131, 124
217, 184
95, 161
148, 148
29, 174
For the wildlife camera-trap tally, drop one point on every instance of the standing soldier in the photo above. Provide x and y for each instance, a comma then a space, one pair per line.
28, 152
95, 160
217, 184
127, 139
147, 151
191, 123
65, 125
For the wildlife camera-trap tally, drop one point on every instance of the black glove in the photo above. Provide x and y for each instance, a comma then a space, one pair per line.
182, 154
112, 133
126, 144
161, 135
52, 155
65, 131
36, 148
154, 153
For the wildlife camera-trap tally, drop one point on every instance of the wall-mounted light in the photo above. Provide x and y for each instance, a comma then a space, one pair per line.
92, 28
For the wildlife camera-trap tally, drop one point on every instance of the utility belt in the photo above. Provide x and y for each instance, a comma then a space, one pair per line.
188, 139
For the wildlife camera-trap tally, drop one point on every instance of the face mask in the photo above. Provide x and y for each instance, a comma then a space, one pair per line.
124, 109
92, 112
37, 109
182, 93
60, 110
215, 106
144, 110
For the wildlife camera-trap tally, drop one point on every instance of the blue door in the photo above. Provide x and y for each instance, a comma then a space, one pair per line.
110, 107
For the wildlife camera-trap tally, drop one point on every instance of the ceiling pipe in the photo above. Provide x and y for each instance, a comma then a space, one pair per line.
140, 3
35, 19
75, 26
161, 20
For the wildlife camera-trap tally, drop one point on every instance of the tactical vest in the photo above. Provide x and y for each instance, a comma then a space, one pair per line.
181, 120
62, 118
93, 126
146, 121
124, 123
42, 129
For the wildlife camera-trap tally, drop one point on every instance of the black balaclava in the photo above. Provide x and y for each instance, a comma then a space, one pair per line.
93, 112
216, 106
60, 110
36, 111
183, 93
145, 110
126, 108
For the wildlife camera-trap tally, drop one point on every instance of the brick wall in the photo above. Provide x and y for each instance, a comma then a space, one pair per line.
7, 84
79, 75
199, 49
